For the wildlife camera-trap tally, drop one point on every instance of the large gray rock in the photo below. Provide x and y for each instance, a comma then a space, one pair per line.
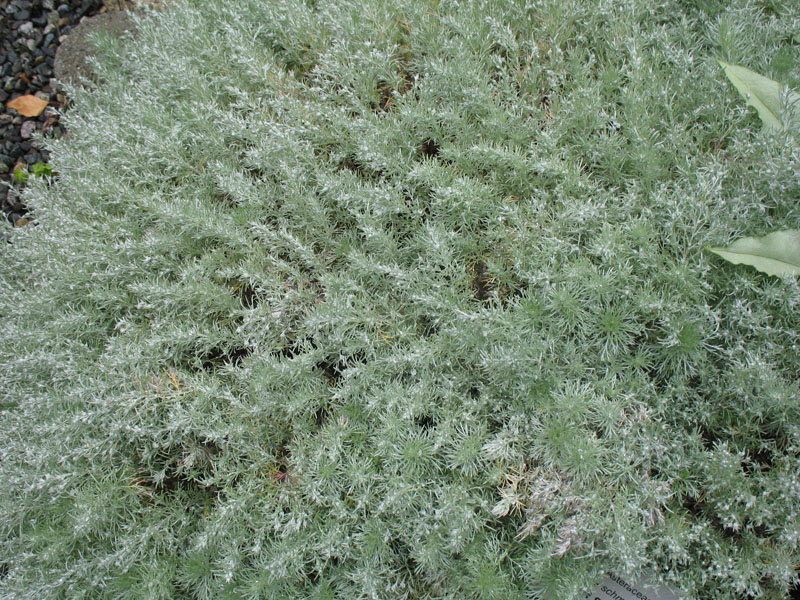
70, 64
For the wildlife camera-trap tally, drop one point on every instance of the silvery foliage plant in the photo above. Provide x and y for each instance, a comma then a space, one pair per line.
407, 299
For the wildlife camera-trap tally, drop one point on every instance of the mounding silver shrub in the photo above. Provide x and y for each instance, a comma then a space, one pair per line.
407, 299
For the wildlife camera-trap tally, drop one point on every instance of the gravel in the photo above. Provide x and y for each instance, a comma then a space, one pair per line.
31, 31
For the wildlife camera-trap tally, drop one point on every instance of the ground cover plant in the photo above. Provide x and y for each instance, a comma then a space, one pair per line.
407, 299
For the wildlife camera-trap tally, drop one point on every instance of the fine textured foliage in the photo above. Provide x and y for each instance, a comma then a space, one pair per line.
405, 299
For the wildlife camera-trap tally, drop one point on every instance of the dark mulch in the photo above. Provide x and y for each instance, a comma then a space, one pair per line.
30, 33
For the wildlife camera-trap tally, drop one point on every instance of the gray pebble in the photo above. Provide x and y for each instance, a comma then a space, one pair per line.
27, 129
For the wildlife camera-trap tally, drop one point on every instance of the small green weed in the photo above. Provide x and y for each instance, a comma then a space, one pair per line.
39, 170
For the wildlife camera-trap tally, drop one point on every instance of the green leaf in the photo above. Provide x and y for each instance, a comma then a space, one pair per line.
20, 175
41, 169
775, 254
762, 93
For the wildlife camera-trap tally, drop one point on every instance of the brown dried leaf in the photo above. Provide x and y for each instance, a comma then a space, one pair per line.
49, 122
30, 106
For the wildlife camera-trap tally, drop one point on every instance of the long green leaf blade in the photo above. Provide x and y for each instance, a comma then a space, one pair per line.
762, 93
777, 253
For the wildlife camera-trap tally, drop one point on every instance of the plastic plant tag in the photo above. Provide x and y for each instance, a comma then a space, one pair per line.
618, 588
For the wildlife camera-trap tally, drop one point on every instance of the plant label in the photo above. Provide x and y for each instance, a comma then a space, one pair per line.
618, 588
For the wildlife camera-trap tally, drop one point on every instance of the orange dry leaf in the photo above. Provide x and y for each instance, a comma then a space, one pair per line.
30, 106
